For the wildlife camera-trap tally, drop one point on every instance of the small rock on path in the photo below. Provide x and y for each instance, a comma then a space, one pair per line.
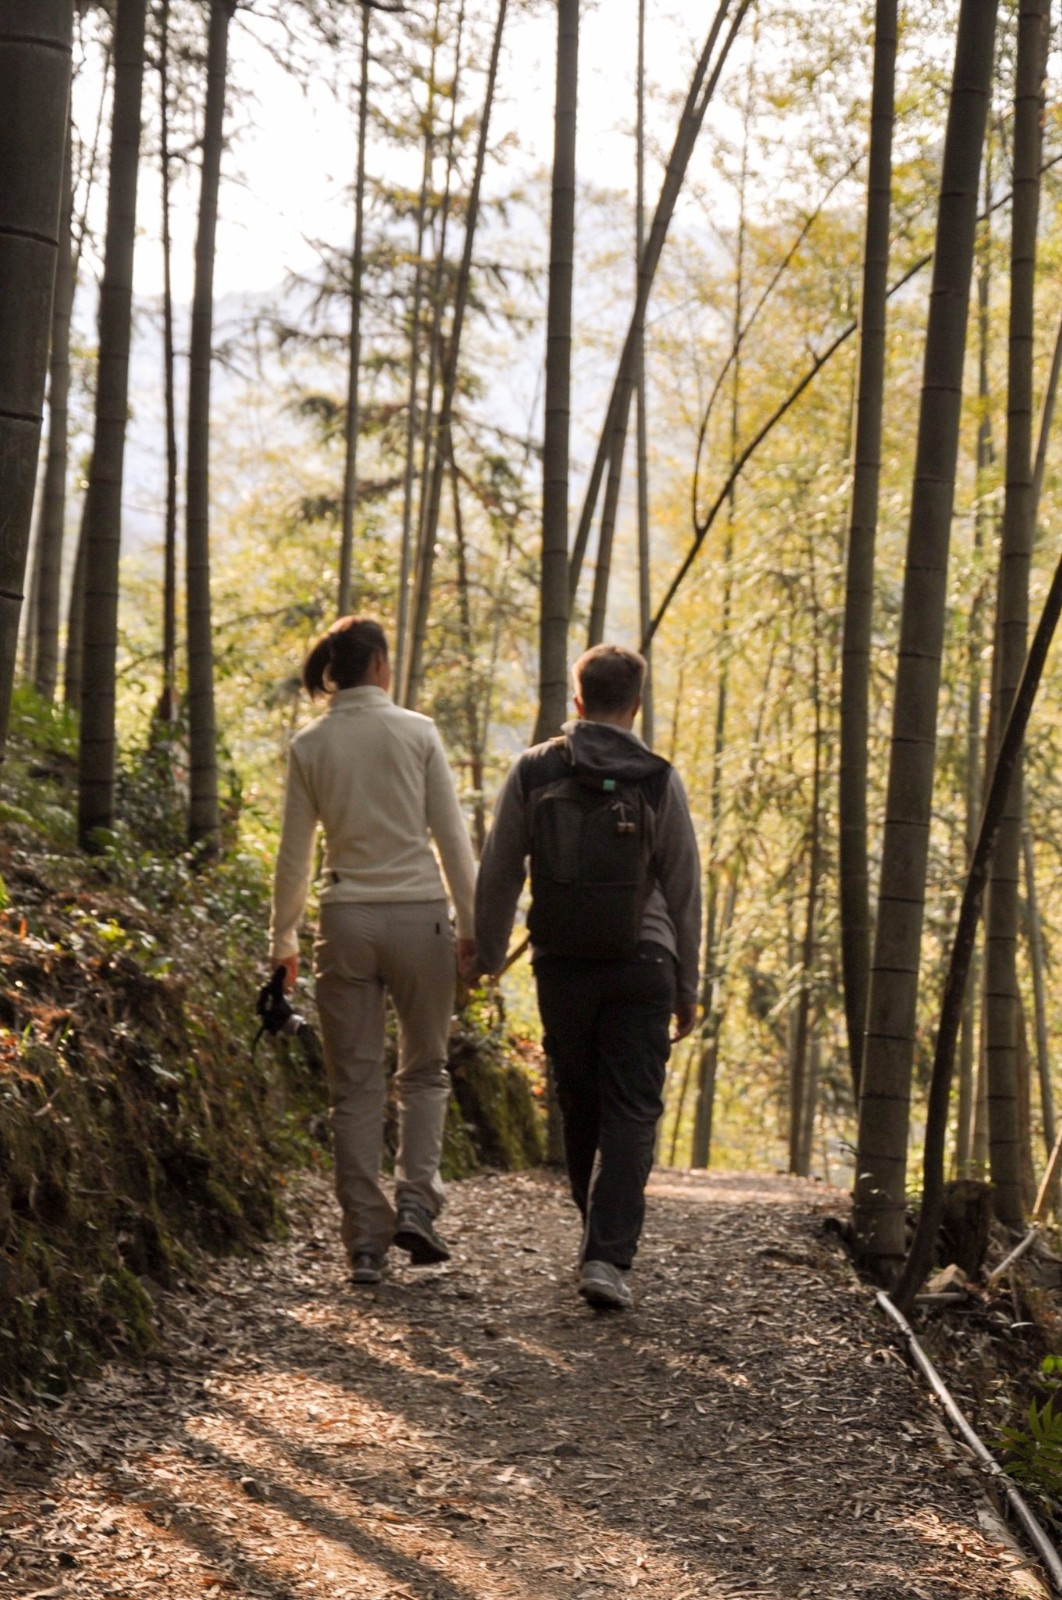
748, 1432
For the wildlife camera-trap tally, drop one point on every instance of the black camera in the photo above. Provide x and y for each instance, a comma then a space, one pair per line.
281, 1020
278, 1016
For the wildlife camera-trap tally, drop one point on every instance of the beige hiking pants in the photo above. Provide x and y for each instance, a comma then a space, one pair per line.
361, 951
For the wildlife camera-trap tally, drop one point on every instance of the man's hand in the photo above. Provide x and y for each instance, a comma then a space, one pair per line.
291, 971
685, 1020
467, 964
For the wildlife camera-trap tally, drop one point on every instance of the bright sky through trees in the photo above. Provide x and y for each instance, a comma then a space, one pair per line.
288, 171
287, 177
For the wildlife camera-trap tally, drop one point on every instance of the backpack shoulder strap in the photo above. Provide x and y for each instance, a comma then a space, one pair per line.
545, 763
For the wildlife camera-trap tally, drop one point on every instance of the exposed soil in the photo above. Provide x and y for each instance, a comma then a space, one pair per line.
749, 1431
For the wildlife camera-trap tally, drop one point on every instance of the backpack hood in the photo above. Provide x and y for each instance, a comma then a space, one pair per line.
611, 752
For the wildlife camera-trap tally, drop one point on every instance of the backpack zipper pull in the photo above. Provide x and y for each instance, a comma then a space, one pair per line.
624, 822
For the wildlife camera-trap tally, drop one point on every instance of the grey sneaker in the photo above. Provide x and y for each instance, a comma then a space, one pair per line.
366, 1267
604, 1286
414, 1232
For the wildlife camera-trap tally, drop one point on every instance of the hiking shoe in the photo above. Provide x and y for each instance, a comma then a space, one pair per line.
604, 1286
414, 1232
366, 1267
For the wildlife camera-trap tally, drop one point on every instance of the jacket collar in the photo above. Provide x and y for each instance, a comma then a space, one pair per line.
365, 694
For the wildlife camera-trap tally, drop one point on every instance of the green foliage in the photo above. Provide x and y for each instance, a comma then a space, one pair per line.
494, 1090
48, 728
1033, 1452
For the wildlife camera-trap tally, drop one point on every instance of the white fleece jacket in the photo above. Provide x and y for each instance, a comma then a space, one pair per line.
377, 779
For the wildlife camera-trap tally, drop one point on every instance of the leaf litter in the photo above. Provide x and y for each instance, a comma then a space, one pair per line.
476, 1433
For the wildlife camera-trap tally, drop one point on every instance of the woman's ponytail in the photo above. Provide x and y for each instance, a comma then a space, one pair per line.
342, 657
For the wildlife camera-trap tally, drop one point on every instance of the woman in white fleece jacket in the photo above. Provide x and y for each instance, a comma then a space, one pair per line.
376, 778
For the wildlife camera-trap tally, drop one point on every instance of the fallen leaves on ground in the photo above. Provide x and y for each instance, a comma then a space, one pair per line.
748, 1432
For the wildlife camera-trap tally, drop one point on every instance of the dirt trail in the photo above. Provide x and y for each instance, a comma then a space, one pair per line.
749, 1431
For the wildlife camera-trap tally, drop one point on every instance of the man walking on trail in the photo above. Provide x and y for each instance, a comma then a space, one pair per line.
615, 926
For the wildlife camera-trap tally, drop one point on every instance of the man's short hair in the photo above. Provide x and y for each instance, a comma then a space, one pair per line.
608, 679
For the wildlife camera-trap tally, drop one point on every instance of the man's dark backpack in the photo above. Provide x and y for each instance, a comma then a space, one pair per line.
592, 840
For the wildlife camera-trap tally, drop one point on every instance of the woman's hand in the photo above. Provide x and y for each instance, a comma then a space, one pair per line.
291, 971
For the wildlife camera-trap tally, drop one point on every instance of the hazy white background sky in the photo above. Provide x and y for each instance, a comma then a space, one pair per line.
287, 177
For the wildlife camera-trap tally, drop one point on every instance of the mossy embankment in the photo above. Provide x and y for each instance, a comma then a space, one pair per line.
136, 1127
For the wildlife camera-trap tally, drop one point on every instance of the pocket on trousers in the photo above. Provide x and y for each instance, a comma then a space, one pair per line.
653, 954
657, 974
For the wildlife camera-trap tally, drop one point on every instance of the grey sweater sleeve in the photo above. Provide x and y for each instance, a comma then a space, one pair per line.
676, 860
502, 870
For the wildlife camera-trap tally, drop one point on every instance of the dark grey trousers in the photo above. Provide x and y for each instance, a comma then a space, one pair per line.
606, 1031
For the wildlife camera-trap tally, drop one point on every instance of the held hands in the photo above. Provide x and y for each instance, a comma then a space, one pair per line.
685, 1020
467, 971
467, 965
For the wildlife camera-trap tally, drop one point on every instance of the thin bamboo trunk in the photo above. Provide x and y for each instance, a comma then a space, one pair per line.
409, 468
704, 1102
167, 707
500, 588
30, 609
641, 398
74, 655
862, 535
710, 982
684, 1086
708, 1043
428, 439
75, 623
422, 592
1027, 1175
881, 1166
1037, 966
204, 820
799, 1133
1048, 1195
811, 1103
712, 1023
470, 707
102, 519
792, 1010
51, 526
1002, 1001
966, 1111
437, 297
351, 425
979, 1140
554, 601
